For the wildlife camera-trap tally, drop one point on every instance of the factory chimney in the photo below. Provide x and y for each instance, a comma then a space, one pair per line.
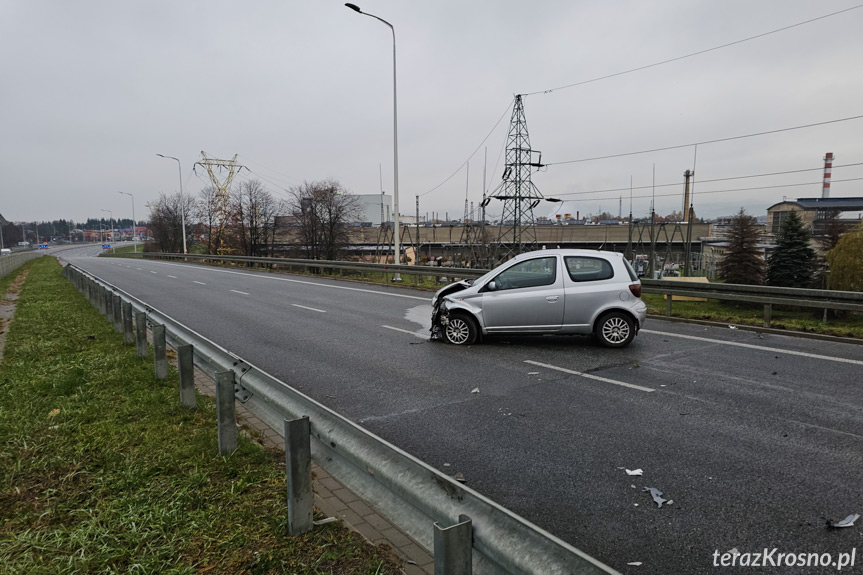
828, 168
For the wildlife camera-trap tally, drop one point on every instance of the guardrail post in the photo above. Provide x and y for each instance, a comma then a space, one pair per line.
768, 314
116, 302
225, 412
668, 304
128, 334
825, 316
109, 313
160, 358
298, 475
185, 361
453, 548
141, 334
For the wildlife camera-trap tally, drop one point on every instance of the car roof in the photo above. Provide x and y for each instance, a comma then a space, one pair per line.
567, 252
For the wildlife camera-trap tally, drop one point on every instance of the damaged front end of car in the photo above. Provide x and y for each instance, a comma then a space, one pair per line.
440, 313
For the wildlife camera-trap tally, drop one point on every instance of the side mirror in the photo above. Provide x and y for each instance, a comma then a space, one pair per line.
491, 286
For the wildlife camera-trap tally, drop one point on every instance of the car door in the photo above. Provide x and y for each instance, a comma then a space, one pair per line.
590, 286
527, 296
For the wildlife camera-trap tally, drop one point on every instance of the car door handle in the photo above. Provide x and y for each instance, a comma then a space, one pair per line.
552, 298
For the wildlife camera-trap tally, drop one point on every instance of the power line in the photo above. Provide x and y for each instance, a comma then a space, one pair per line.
705, 142
472, 154
707, 181
694, 53
677, 194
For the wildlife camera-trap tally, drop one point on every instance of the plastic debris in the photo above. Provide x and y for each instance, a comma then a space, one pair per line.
475, 390
732, 327
446, 464
533, 373
635, 563
634, 472
459, 477
325, 521
54, 412
847, 522
656, 494
633, 486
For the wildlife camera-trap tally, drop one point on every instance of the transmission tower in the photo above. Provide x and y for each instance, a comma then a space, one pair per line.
222, 201
517, 228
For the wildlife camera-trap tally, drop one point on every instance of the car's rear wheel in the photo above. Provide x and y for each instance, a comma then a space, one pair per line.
461, 329
615, 329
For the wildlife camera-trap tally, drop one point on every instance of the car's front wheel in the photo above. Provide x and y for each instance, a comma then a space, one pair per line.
615, 329
461, 329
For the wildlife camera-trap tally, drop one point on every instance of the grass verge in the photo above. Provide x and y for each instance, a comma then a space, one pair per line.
102, 470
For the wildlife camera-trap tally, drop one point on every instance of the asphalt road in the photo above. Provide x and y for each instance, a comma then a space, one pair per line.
757, 439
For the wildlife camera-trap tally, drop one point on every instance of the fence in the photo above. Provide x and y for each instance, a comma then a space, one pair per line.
12, 262
459, 525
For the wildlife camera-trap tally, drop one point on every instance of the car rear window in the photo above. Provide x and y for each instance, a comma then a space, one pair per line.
632, 275
587, 269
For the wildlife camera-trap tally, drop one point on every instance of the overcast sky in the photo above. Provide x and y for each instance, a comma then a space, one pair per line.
91, 91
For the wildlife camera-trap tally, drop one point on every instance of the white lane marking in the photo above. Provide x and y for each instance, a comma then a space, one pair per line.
589, 376
308, 308
242, 292
413, 333
152, 272
197, 282
267, 277
170, 276
759, 347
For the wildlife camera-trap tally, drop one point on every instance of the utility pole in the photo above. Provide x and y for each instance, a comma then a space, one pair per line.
518, 193
223, 199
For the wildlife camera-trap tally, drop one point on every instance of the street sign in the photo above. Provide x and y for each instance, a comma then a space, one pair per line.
43, 246
106, 246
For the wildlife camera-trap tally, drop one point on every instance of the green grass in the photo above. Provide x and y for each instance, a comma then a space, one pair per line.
783, 317
102, 470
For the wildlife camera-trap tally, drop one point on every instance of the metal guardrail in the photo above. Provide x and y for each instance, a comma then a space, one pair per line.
766, 295
288, 263
410, 493
10, 263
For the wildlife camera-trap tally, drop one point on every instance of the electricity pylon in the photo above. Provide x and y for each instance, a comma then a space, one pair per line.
517, 228
222, 204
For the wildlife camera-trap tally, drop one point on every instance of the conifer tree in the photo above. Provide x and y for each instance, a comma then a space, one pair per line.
792, 263
742, 263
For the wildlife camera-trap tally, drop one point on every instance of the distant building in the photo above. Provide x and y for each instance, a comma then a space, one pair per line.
370, 206
813, 212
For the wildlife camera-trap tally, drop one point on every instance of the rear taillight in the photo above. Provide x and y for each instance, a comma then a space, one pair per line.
635, 289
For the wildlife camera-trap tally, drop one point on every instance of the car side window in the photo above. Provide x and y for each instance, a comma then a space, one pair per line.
530, 273
587, 269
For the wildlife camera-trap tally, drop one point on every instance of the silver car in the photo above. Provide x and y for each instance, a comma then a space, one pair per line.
546, 291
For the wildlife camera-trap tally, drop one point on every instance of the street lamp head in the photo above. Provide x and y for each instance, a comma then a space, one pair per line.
353, 7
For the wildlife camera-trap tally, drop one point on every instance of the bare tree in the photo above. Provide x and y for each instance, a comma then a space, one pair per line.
321, 212
254, 210
166, 220
206, 214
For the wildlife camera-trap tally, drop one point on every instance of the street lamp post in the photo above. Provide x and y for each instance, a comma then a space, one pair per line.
182, 201
112, 227
134, 224
396, 275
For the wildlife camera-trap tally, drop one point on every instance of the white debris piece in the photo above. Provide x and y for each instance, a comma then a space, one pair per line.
475, 390
732, 327
634, 472
635, 563
847, 522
